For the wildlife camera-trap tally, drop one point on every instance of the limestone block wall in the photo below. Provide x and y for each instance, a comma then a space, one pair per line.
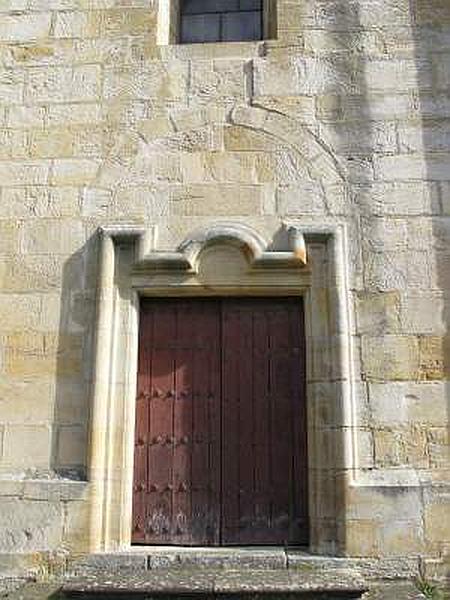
104, 123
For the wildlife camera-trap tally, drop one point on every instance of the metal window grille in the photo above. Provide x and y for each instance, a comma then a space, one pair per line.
221, 21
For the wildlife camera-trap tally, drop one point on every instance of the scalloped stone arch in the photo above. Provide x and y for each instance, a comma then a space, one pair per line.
246, 238
226, 233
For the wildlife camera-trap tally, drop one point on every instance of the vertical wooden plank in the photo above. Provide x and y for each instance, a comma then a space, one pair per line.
264, 464
181, 468
206, 403
200, 434
262, 426
214, 416
160, 505
246, 532
141, 428
299, 511
281, 435
230, 424
182, 465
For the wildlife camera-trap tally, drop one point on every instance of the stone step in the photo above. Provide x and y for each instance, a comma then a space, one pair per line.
229, 574
142, 559
378, 590
165, 558
214, 596
211, 583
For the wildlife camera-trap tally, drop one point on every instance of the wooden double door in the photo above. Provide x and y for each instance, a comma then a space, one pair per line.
220, 446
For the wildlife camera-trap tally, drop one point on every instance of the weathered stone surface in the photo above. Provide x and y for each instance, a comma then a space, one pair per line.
390, 357
292, 75
378, 313
25, 27
39, 201
71, 444
437, 527
26, 401
404, 590
26, 446
156, 80
397, 403
396, 447
203, 200
206, 581
29, 526
218, 82
37, 273
306, 198
63, 84
74, 172
24, 172
399, 198
434, 352
52, 237
413, 167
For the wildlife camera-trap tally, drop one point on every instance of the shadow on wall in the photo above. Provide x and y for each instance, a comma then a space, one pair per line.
392, 126
394, 140
428, 149
344, 117
74, 363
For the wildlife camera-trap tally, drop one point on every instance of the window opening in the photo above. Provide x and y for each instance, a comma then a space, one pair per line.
221, 21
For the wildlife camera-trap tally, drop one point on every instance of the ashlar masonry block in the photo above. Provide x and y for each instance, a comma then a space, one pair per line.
25, 27
437, 526
401, 403
28, 526
63, 84
56, 236
27, 446
390, 357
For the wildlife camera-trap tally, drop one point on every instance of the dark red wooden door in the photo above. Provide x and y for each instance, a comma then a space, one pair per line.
264, 422
177, 447
220, 451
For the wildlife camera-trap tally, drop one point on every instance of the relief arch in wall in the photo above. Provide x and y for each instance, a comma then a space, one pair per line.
302, 171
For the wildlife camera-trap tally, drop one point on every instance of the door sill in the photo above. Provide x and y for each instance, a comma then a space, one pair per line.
263, 557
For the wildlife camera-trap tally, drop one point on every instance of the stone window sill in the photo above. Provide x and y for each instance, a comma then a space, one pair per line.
214, 50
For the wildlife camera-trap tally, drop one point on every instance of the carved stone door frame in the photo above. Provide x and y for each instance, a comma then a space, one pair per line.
222, 259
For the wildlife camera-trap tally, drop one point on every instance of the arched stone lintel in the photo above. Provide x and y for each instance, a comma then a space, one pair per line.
187, 255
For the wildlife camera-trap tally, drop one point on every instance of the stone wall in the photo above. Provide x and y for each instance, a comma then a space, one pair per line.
100, 124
